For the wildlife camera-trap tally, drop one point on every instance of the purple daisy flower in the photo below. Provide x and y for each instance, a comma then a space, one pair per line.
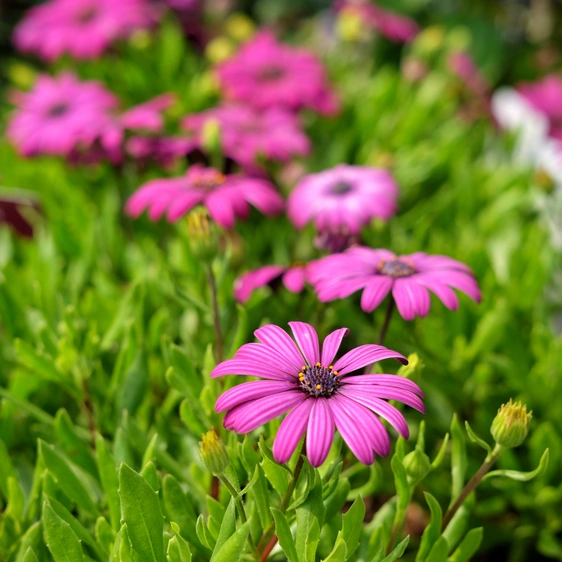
320, 394
293, 278
379, 272
226, 197
82, 28
246, 134
265, 73
345, 197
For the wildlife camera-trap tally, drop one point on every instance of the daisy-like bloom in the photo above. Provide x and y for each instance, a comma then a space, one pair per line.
59, 115
247, 134
293, 278
265, 73
84, 29
320, 393
345, 196
546, 97
380, 272
226, 197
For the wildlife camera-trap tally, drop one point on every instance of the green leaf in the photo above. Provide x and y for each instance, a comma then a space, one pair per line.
458, 459
232, 548
352, 525
105, 535
522, 476
29, 556
309, 513
441, 454
456, 528
140, 510
339, 552
337, 500
401, 483
433, 530
16, 499
6, 469
134, 386
468, 547
283, 532
311, 543
276, 473
109, 481
439, 551
397, 552
33, 539
227, 527
67, 477
475, 439
203, 533
151, 476
121, 551
178, 549
60, 538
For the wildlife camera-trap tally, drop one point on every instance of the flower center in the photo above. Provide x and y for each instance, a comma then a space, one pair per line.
87, 15
341, 188
271, 73
318, 380
395, 268
58, 110
208, 180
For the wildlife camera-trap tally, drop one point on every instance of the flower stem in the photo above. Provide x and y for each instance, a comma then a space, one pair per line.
472, 484
388, 316
268, 538
216, 313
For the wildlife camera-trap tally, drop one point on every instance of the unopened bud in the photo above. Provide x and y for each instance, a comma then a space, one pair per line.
240, 27
417, 464
511, 424
213, 453
203, 236
349, 25
219, 49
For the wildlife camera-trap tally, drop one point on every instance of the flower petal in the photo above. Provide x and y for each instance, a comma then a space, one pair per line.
411, 298
375, 291
320, 432
290, 431
331, 345
365, 355
397, 394
250, 391
386, 380
266, 356
247, 283
276, 338
443, 292
250, 368
307, 339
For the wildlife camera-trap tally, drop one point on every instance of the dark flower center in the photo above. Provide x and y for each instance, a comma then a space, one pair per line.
395, 268
318, 380
341, 188
58, 109
271, 73
87, 15
209, 180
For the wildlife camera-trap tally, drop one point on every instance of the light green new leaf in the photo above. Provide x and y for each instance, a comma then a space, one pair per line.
276, 473
140, 510
105, 535
178, 549
339, 552
6, 469
475, 439
441, 454
397, 552
233, 547
60, 538
468, 546
16, 499
227, 527
109, 480
401, 483
433, 530
522, 476
29, 556
352, 525
311, 543
458, 459
439, 551
283, 532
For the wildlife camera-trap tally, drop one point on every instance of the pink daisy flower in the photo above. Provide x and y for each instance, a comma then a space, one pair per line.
293, 278
320, 394
59, 115
265, 73
380, 272
226, 197
546, 97
246, 134
82, 28
345, 196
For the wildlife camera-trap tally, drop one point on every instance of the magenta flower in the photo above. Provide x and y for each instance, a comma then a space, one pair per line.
320, 394
266, 73
545, 96
60, 115
226, 197
246, 134
379, 272
163, 150
293, 278
84, 29
345, 196
463, 65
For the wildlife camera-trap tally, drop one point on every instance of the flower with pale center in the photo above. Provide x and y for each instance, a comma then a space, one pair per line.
319, 392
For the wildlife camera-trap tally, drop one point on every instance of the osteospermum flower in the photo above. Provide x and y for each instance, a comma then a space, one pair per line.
321, 393
293, 278
345, 196
380, 272
60, 114
83, 29
226, 197
546, 97
247, 134
265, 73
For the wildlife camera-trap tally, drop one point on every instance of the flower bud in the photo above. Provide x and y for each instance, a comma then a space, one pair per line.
417, 464
240, 27
213, 453
511, 424
203, 236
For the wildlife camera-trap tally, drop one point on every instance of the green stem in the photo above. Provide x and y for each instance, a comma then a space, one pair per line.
216, 313
384, 328
398, 525
472, 484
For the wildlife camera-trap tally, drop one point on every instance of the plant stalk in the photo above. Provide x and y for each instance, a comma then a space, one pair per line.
216, 314
384, 328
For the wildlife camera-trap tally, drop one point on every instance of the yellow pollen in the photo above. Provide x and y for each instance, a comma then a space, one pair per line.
331, 367
336, 373
303, 367
318, 364
308, 382
318, 386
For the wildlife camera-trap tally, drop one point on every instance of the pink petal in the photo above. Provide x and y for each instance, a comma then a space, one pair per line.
397, 394
290, 431
221, 209
294, 279
307, 339
365, 355
331, 346
411, 299
444, 293
277, 339
250, 368
320, 432
265, 355
250, 391
385, 380
375, 291
246, 284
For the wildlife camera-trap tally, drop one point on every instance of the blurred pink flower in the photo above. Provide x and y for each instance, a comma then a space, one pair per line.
265, 73
247, 134
546, 97
163, 150
463, 65
379, 272
344, 196
293, 278
60, 114
319, 392
84, 29
226, 197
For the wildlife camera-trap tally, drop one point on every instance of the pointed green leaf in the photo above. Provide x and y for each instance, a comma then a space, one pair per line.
441, 454
232, 548
522, 476
6, 469
311, 544
475, 439
353, 524
339, 552
60, 538
283, 532
468, 547
276, 473
29, 556
397, 552
458, 458
433, 530
105, 535
178, 549
109, 481
227, 527
439, 551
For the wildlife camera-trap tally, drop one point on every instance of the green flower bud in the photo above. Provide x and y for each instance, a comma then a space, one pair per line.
417, 464
203, 235
213, 453
511, 425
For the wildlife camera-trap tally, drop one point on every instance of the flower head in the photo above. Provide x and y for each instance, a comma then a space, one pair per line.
293, 278
266, 73
247, 134
511, 424
319, 392
82, 28
380, 272
226, 197
343, 197
213, 452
